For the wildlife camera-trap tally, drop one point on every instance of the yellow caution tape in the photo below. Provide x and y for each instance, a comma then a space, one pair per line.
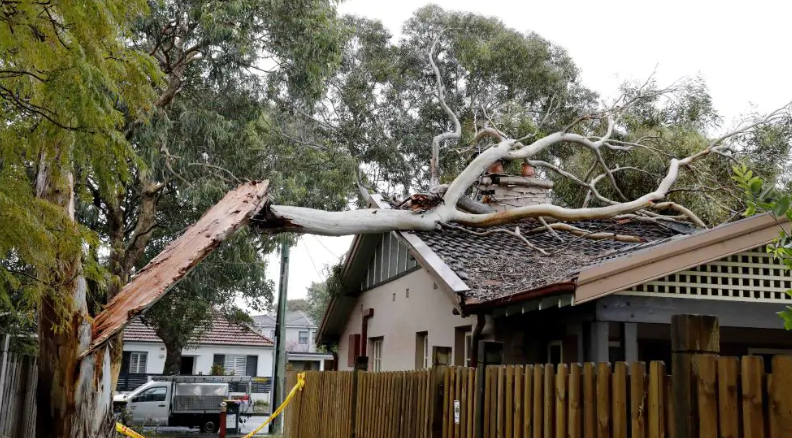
120, 428
298, 387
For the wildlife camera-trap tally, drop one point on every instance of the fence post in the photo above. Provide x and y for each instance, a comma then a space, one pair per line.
361, 364
489, 353
441, 358
691, 336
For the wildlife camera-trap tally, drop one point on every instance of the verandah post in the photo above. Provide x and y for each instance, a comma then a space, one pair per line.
691, 336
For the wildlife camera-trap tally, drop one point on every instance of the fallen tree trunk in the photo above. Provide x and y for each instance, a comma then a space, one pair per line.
178, 259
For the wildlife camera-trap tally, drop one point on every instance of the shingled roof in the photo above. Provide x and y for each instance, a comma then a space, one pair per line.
498, 264
223, 332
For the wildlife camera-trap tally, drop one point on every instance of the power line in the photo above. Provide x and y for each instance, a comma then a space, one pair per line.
325, 247
312, 263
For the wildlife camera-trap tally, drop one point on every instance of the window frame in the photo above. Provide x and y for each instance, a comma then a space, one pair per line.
422, 350
300, 338
134, 358
468, 344
427, 362
376, 351
235, 364
139, 397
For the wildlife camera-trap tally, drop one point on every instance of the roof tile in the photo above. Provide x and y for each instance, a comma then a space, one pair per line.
223, 332
500, 264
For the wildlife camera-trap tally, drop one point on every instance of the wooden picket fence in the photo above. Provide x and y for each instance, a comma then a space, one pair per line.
588, 400
385, 405
735, 398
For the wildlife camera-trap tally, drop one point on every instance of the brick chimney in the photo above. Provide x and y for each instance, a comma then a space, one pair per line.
503, 191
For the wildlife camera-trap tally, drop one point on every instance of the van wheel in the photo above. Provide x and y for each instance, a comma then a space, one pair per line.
208, 425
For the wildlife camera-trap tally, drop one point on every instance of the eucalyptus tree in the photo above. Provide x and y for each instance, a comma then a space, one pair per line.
223, 65
385, 108
64, 71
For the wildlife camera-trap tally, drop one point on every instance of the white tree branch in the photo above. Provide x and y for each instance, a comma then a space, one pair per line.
456, 134
304, 220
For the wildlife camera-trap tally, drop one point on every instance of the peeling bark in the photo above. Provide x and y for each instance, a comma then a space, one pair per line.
177, 259
73, 392
124, 256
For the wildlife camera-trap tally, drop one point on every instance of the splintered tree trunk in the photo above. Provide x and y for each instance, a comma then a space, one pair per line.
73, 394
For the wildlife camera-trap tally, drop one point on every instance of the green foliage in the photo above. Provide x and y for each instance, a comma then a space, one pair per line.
212, 130
763, 197
381, 106
318, 299
67, 84
298, 305
217, 370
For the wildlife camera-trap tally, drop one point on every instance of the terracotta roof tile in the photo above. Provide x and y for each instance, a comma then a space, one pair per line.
499, 264
222, 332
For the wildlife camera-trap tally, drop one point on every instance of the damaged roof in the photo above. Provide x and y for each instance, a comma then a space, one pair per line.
498, 264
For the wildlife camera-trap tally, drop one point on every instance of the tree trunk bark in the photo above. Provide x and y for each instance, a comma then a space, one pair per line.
173, 358
124, 256
73, 394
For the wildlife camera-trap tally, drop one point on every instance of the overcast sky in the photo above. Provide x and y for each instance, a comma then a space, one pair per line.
740, 48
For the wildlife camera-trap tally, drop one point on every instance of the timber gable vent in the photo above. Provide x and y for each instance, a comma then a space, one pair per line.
391, 259
753, 276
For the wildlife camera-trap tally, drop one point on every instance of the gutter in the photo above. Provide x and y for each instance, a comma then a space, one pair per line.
697, 249
531, 294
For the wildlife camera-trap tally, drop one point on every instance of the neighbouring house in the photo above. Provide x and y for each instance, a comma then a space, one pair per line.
240, 350
606, 292
302, 353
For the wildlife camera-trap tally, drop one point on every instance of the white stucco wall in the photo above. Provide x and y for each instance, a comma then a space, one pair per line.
204, 354
397, 321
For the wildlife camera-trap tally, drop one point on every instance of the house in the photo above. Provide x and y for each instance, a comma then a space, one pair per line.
302, 353
606, 292
237, 348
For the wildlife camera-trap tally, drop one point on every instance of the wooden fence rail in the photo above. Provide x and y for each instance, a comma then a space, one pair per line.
735, 398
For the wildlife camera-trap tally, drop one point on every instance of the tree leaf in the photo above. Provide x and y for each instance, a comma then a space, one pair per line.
781, 206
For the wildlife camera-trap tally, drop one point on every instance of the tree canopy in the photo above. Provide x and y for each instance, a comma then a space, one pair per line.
65, 77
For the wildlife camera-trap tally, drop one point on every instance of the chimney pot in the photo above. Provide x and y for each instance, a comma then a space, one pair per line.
528, 170
496, 167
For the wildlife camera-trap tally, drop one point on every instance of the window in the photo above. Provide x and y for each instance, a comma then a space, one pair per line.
303, 338
422, 350
376, 353
555, 352
272, 335
463, 345
155, 394
235, 365
468, 348
137, 362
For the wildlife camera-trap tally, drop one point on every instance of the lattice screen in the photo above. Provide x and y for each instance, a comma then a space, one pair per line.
748, 276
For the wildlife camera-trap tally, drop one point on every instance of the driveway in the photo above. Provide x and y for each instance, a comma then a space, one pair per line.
248, 426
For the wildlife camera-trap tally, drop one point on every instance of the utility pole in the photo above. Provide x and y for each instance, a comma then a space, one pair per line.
279, 379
